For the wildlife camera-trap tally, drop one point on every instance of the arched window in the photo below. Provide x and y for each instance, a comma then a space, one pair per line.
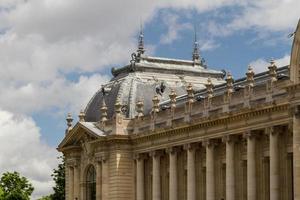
91, 183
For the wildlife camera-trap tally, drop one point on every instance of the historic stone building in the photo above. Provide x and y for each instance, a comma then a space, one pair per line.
165, 129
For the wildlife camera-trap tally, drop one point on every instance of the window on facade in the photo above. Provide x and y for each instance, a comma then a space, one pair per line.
91, 183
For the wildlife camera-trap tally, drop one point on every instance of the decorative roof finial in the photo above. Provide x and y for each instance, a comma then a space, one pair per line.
81, 116
69, 120
103, 110
196, 54
272, 70
141, 48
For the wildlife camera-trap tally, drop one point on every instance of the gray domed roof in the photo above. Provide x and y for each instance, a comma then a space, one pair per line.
142, 79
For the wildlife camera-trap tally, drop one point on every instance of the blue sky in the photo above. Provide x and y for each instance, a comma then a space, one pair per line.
54, 55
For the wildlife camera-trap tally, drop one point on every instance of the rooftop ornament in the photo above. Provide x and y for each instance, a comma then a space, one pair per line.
118, 106
209, 88
196, 54
141, 49
69, 120
173, 96
81, 116
190, 93
140, 109
250, 76
103, 110
229, 83
272, 71
155, 101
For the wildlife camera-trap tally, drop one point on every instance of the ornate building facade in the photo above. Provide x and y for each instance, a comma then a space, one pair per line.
166, 129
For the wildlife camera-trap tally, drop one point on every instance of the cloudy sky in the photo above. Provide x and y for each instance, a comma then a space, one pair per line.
55, 54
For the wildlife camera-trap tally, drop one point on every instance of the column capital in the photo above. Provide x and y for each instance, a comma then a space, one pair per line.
250, 135
210, 143
139, 156
273, 130
155, 153
171, 150
229, 139
296, 111
190, 146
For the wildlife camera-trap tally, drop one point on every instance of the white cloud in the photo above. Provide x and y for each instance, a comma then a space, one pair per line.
59, 93
23, 151
263, 16
208, 45
262, 64
174, 28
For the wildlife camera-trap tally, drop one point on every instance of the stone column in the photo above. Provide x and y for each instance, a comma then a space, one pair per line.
191, 172
296, 153
98, 179
251, 166
71, 183
156, 193
140, 193
172, 173
76, 182
274, 164
210, 170
230, 178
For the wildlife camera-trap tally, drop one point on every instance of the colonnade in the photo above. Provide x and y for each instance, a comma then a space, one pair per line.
209, 146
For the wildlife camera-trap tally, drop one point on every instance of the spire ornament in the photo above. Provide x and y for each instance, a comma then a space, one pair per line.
196, 53
141, 49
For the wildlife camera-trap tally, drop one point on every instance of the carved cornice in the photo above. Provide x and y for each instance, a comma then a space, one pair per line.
206, 123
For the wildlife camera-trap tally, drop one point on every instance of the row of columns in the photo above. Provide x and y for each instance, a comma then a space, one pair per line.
210, 172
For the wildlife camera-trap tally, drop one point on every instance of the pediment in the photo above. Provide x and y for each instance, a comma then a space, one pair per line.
81, 133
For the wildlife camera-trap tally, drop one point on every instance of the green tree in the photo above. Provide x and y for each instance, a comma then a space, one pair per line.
46, 198
59, 179
15, 187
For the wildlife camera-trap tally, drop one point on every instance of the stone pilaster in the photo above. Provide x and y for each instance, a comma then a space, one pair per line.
71, 183
76, 182
98, 180
230, 177
172, 173
210, 169
102, 176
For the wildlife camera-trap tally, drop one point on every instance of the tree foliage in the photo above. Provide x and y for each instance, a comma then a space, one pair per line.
15, 187
59, 179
